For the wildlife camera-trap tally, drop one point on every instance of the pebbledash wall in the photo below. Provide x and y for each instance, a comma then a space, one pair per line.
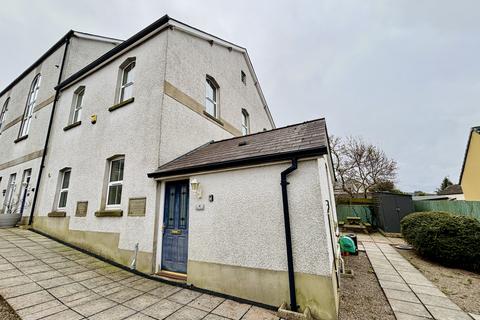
16, 157
237, 242
165, 120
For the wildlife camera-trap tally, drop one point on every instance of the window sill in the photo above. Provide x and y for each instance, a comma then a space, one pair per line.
220, 122
121, 104
109, 213
72, 125
21, 138
57, 214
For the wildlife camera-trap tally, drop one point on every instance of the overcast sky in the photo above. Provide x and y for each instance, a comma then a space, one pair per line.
404, 75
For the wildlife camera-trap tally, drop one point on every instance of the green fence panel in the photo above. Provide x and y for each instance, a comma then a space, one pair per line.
461, 207
362, 211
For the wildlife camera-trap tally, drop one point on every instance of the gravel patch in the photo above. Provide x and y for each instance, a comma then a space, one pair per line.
6, 312
361, 297
461, 286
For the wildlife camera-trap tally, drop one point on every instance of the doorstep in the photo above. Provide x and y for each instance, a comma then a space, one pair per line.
172, 276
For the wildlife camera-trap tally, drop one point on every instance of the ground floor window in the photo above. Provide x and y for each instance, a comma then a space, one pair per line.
9, 202
63, 192
27, 174
115, 182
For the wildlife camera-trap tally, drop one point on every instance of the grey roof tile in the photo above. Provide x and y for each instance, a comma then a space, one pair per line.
304, 137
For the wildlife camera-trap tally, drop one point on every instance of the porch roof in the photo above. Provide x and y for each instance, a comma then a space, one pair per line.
299, 140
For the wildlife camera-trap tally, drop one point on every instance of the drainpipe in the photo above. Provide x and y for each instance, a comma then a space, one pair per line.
288, 235
42, 164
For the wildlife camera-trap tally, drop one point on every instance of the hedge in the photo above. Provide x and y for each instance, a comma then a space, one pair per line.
451, 240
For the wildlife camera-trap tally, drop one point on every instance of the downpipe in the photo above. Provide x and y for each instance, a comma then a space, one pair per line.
133, 264
288, 235
49, 129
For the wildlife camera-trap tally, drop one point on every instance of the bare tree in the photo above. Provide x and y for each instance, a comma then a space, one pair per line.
361, 166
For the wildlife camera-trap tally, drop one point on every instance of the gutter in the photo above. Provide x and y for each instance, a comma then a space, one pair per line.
36, 63
45, 148
305, 153
114, 51
288, 235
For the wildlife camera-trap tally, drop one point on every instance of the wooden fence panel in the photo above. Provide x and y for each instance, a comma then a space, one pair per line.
461, 207
365, 212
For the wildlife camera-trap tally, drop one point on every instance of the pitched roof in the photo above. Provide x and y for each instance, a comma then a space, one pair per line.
453, 189
299, 140
52, 49
472, 130
161, 25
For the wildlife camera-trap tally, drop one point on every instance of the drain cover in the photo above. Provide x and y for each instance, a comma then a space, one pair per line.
404, 246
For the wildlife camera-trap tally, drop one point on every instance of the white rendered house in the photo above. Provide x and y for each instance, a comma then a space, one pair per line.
131, 172
26, 106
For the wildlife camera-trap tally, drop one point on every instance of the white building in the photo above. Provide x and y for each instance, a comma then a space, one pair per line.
25, 108
131, 172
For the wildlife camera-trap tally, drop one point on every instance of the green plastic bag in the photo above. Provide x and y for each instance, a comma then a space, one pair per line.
347, 244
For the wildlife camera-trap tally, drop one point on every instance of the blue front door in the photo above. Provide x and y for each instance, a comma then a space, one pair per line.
175, 227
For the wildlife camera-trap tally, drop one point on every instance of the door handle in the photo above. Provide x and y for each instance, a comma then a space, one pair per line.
176, 232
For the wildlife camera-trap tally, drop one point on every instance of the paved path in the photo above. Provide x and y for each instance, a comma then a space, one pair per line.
411, 295
43, 279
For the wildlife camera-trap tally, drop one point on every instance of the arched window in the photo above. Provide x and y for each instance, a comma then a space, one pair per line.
127, 79
211, 97
245, 122
77, 104
31, 100
3, 113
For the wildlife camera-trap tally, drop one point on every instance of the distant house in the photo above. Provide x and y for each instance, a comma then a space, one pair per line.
470, 175
453, 192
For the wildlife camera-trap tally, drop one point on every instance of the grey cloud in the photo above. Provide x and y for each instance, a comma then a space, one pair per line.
402, 74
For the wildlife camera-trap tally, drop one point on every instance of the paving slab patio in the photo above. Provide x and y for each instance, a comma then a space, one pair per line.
410, 294
44, 279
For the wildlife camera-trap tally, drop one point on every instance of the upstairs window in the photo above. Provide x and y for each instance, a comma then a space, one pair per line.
245, 122
243, 76
63, 191
127, 79
115, 182
3, 113
77, 104
211, 97
31, 100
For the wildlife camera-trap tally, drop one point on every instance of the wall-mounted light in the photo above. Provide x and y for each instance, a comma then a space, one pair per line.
195, 187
